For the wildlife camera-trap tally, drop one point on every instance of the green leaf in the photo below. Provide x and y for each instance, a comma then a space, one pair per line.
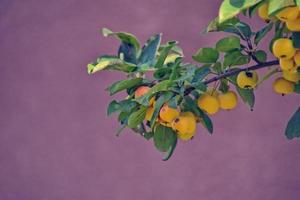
296, 39
201, 73
228, 10
123, 84
298, 3
293, 127
262, 33
110, 63
137, 117
164, 138
276, 5
228, 43
247, 96
237, 3
206, 55
261, 56
234, 58
124, 37
150, 49
164, 53
214, 25
159, 87
113, 107
297, 88
191, 105
171, 150
163, 98
224, 87
120, 129
127, 52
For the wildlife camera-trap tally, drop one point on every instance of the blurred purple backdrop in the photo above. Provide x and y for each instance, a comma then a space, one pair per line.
56, 142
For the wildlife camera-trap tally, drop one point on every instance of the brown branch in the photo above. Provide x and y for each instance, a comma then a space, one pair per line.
235, 71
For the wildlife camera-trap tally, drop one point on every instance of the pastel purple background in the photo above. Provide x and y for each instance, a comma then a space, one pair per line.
56, 142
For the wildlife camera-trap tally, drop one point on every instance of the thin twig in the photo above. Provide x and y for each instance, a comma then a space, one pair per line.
233, 72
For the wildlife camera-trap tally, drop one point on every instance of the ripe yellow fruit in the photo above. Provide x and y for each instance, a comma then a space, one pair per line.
185, 125
263, 12
283, 48
292, 76
149, 113
287, 64
297, 58
289, 13
228, 100
209, 103
247, 79
168, 114
282, 86
293, 25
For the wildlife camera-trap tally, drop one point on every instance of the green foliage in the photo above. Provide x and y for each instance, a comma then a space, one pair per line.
124, 84
206, 55
230, 8
110, 63
163, 138
179, 84
228, 43
235, 58
276, 5
137, 117
293, 129
262, 33
149, 50
261, 56
124, 37
296, 39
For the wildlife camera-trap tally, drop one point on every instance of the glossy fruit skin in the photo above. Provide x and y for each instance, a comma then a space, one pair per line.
263, 12
168, 114
185, 125
247, 79
292, 76
209, 103
228, 100
149, 113
293, 25
287, 64
289, 13
140, 91
297, 58
283, 48
283, 86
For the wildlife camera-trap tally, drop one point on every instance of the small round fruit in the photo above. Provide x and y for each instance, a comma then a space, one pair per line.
289, 13
185, 125
292, 76
282, 86
228, 100
209, 103
140, 91
263, 12
293, 25
286, 64
283, 48
247, 79
149, 113
297, 58
168, 114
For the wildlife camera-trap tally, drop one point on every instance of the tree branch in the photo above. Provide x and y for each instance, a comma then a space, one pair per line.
235, 71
